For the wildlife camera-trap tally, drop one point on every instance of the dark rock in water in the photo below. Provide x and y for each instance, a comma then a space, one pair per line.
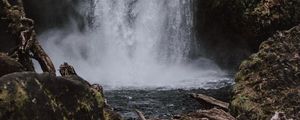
9, 65
30, 96
269, 80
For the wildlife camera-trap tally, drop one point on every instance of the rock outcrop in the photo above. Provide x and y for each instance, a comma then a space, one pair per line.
231, 30
32, 96
269, 80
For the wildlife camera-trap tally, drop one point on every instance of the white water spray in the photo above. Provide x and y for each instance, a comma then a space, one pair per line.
135, 44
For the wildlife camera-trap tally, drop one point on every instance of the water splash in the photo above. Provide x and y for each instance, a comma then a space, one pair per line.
135, 44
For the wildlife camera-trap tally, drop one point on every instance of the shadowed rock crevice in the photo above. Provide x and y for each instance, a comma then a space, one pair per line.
228, 31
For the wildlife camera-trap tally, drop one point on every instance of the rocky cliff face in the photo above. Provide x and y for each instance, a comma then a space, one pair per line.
230, 30
269, 80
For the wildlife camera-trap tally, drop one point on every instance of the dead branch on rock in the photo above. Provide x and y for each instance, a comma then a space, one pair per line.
29, 46
210, 101
140, 114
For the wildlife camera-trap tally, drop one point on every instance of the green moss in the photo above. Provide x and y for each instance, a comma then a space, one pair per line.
84, 105
21, 96
99, 98
4, 95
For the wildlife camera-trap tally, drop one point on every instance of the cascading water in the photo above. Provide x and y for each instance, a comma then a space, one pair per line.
135, 44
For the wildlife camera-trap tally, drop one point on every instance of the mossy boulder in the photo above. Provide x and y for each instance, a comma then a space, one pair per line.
32, 96
269, 80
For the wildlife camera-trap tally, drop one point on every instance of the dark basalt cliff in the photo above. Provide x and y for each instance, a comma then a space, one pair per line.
230, 30
49, 14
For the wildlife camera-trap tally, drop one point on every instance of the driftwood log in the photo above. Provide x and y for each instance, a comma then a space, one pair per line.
212, 114
210, 102
28, 45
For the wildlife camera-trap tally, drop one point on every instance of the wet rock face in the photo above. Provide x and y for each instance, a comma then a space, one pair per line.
50, 14
29, 96
269, 80
230, 30
9, 65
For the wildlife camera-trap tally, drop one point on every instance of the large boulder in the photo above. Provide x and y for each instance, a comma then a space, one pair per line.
9, 65
32, 96
269, 80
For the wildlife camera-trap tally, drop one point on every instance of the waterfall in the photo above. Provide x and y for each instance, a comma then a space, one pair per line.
135, 44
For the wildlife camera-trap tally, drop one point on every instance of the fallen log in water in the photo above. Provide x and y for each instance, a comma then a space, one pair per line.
212, 114
140, 114
210, 102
